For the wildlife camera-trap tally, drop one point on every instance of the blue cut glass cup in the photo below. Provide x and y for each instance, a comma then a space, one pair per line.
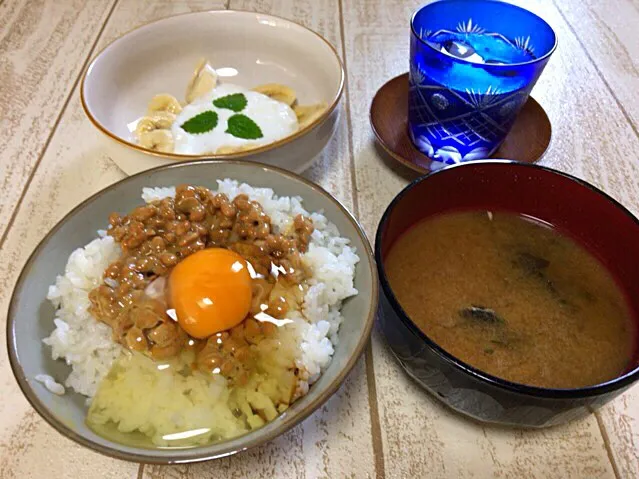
473, 64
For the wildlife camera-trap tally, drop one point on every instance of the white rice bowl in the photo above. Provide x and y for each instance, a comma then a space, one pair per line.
87, 346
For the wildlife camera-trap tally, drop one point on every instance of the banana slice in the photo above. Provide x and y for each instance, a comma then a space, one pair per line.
307, 114
164, 102
227, 150
277, 92
160, 120
203, 81
158, 140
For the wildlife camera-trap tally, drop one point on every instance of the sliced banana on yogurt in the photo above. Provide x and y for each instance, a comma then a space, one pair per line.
307, 114
202, 82
159, 120
164, 102
158, 140
277, 92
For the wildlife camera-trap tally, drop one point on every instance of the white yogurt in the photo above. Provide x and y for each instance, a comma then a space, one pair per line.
276, 120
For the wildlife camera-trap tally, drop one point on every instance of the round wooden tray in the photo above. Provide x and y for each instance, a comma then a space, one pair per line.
527, 141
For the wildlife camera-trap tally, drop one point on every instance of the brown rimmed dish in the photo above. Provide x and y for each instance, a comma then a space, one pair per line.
30, 316
159, 57
526, 142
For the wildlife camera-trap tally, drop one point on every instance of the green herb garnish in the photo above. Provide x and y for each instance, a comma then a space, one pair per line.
241, 126
201, 123
236, 102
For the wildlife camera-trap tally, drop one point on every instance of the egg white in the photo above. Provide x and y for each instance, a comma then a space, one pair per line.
276, 120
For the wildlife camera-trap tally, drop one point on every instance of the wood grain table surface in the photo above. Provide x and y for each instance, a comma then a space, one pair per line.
379, 423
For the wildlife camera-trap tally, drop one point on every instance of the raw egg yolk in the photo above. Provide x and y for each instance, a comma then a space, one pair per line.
210, 291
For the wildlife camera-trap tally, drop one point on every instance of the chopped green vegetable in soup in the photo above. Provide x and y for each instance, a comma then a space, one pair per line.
513, 298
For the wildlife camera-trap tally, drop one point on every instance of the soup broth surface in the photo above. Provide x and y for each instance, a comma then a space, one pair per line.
513, 298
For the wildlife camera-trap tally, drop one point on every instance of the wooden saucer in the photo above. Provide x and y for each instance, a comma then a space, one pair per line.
527, 141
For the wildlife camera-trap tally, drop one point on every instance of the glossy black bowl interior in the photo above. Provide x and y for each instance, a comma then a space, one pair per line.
577, 207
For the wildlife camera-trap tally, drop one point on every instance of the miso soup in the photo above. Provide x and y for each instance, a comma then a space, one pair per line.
514, 298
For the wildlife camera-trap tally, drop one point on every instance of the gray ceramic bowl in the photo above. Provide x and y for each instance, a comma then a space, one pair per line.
31, 316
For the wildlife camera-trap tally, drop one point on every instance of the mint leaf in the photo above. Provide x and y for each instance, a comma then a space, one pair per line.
241, 126
201, 123
236, 102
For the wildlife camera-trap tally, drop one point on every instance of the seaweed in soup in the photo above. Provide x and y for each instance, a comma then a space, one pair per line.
482, 314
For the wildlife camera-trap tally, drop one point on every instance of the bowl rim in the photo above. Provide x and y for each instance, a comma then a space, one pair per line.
216, 450
614, 384
240, 154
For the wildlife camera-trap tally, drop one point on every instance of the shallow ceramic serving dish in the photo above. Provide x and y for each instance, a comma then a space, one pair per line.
246, 48
609, 230
31, 316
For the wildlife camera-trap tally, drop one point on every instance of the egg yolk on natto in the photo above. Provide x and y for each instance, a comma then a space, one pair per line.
210, 291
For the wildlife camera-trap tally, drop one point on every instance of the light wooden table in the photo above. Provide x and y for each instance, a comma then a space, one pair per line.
379, 424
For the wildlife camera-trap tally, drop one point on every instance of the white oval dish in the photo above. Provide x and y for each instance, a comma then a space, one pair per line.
246, 49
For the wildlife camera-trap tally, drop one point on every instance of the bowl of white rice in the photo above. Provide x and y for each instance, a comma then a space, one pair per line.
64, 359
